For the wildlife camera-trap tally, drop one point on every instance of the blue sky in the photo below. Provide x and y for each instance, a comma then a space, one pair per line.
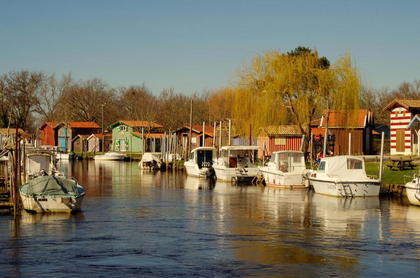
193, 45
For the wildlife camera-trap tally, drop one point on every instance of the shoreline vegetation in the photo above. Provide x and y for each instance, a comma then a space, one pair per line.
274, 88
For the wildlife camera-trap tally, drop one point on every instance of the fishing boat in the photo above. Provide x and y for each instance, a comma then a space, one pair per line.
151, 161
47, 194
40, 163
235, 163
413, 190
343, 176
111, 156
200, 163
285, 168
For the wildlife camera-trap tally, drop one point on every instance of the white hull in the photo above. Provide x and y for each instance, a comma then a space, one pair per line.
114, 157
279, 178
193, 170
231, 174
51, 203
363, 188
63, 156
413, 193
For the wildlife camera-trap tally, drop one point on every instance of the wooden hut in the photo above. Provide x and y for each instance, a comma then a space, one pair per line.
94, 142
341, 123
403, 139
279, 138
183, 133
67, 131
47, 134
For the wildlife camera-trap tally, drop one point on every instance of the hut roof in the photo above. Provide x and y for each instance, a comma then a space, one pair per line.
406, 103
135, 124
347, 118
282, 130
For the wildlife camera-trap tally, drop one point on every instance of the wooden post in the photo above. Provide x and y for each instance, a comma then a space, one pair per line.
382, 157
214, 134
350, 143
204, 134
230, 127
250, 133
190, 135
301, 143
220, 135
311, 149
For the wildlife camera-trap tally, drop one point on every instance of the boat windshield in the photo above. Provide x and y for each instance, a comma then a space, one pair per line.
321, 166
354, 164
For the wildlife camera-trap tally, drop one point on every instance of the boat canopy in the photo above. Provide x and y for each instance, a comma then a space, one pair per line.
151, 156
37, 162
345, 167
51, 185
289, 161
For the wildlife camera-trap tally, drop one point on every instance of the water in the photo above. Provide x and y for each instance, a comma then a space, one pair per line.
164, 225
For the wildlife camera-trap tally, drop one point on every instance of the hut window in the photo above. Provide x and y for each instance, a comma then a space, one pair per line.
280, 141
193, 140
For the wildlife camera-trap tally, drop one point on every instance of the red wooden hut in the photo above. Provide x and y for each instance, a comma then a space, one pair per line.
47, 134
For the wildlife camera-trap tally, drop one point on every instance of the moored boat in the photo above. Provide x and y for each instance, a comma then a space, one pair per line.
151, 161
413, 190
200, 163
285, 168
235, 163
111, 156
343, 176
45, 194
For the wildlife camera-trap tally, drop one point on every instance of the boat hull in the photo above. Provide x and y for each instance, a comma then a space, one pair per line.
277, 178
193, 171
109, 157
346, 189
413, 193
51, 204
235, 174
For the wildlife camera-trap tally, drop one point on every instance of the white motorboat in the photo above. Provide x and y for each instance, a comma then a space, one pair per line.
151, 161
63, 156
285, 168
200, 162
413, 190
45, 194
111, 156
235, 163
40, 163
343, 176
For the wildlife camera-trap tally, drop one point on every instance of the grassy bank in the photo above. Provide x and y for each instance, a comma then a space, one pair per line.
390, 176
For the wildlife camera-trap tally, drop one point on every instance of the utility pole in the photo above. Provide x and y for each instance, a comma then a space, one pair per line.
190, 135
103, 136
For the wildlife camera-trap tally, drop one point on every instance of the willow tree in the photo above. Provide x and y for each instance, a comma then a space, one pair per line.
298, 86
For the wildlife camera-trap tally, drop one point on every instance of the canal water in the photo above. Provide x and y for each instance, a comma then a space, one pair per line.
145, 224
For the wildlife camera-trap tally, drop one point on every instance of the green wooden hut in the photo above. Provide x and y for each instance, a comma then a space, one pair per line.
127, 136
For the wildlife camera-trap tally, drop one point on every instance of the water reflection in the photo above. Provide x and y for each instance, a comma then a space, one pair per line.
139, 223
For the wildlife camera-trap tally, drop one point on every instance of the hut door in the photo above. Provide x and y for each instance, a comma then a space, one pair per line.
400, 140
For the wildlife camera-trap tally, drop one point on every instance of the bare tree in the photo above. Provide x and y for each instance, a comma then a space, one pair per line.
19, 92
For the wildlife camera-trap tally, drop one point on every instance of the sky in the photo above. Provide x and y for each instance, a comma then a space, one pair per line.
194, 46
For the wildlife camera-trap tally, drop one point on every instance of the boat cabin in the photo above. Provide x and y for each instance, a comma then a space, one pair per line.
203, 156
238, 156
344, 167
288, 161
39, 163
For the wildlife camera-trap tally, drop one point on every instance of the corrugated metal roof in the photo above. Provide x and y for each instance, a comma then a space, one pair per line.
11, 131
199, 129
406, 103
347, 118
136, 123
78, 124
282, 130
